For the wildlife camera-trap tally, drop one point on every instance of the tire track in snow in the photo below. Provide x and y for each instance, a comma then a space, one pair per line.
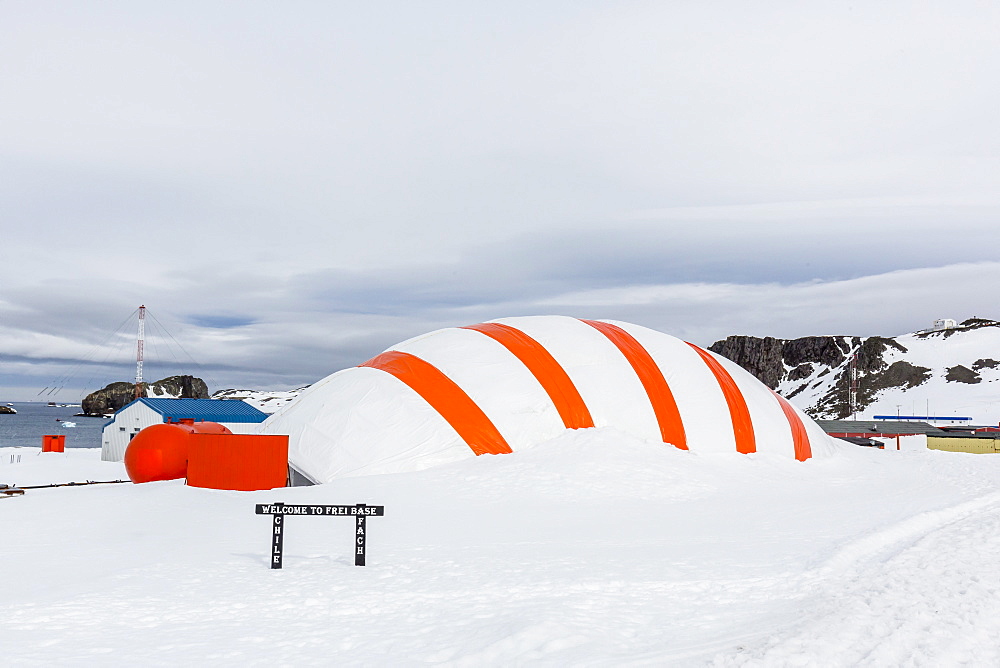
921, 592
890, 540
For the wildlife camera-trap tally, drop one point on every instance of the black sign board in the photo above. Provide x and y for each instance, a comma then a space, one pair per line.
360, 512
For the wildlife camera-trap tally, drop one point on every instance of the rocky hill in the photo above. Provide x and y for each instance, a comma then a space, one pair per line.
114, 396
944, 372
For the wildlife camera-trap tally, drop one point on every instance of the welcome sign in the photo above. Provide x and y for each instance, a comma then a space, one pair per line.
360, 512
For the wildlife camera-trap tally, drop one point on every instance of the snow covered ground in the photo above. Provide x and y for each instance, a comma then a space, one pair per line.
591, 549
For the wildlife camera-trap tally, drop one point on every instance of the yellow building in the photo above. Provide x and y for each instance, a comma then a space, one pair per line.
963, 444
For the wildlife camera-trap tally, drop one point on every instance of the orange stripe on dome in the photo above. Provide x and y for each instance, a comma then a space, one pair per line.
660, 396
800, 438
546, 370
738, 411
447, 398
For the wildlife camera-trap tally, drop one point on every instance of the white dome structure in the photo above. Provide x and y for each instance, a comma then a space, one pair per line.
510, 384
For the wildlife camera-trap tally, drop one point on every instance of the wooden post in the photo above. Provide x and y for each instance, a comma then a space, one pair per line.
278, 538
359, 537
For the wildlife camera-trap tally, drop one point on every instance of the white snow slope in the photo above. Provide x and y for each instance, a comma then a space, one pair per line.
267, 401
591, 549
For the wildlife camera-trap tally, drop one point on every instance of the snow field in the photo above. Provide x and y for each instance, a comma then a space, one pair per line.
594, 548
921, 593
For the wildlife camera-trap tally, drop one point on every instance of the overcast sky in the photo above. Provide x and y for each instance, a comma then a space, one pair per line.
293, 187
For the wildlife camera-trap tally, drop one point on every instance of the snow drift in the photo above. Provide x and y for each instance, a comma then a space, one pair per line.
593, 549
511, 384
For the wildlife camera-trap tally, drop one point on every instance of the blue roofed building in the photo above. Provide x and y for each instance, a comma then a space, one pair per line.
238, 416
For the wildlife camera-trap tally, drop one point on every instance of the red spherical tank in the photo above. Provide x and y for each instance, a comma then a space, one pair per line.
160, 452
208, 427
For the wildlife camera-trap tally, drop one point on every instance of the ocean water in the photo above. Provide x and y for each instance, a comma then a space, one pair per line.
34, 420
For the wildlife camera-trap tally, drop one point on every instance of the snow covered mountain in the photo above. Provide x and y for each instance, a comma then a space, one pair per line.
948, 371
262, 400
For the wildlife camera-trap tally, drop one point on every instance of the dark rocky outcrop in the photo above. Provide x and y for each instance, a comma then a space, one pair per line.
7, 410
109, 399
761, 357
117, 395
898, 374
181, 387
872, 350
802, 371
824, 350
976, 323
796, 360
962, 374
774, 360
985, 363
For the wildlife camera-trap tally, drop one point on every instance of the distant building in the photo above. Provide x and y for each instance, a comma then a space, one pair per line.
936, 420
981, 442
894, 433
238, 416
944, 323
904, 434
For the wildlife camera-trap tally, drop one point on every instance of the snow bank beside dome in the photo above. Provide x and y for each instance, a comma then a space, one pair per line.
514, 383
595, 548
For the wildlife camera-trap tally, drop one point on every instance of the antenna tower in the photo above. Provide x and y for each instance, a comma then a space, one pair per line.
138, 352
852, 397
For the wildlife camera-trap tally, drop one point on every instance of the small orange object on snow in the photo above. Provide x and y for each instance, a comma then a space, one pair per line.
54, 443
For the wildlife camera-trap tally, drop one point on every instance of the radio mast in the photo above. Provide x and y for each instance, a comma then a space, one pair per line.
852, 398
138, 353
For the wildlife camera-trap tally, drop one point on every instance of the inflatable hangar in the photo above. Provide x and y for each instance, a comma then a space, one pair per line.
511, 384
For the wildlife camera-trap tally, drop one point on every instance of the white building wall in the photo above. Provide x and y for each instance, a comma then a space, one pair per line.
906, 442
128, 422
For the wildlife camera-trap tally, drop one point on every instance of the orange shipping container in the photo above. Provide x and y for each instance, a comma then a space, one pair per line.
53, 443
237, 461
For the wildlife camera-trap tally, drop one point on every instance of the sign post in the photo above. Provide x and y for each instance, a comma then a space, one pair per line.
359, 537
361, 513
278, 540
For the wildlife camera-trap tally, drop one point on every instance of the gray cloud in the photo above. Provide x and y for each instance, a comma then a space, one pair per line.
292, 189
